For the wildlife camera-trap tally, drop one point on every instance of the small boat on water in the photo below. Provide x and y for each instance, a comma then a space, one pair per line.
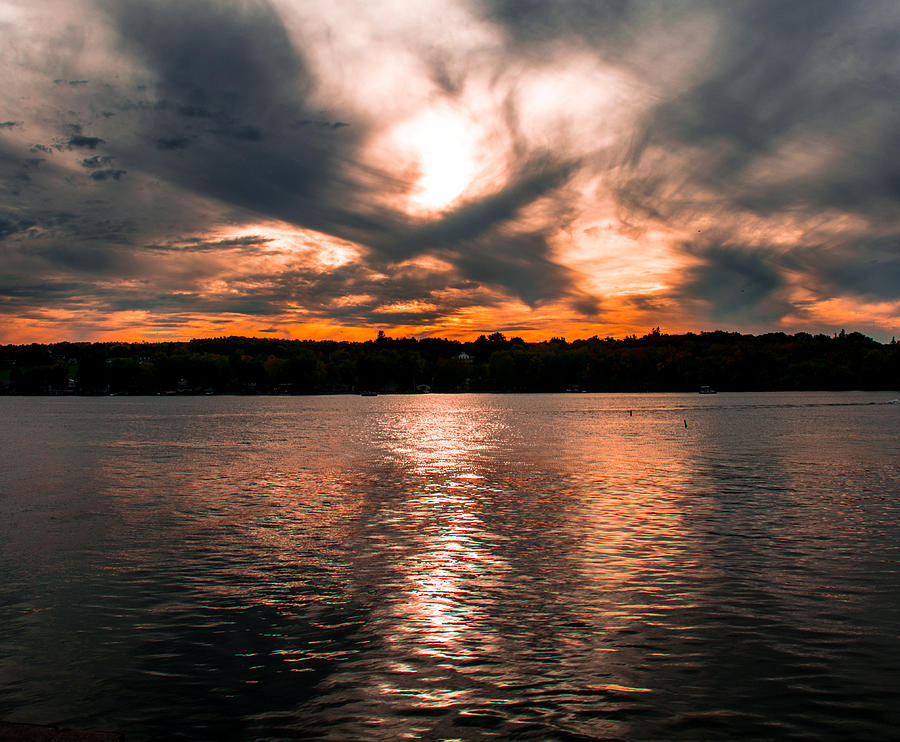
707, 390
368, 394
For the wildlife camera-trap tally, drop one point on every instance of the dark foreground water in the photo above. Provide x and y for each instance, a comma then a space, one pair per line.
453, 567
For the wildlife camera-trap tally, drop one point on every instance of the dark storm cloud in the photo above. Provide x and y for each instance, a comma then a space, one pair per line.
219, 56
737, 282
172, 142
252, 244
194, 112
512, 260
245, 132
56, 207
97, 161
81, 141
23, 297
230, 82
869, 268
480, 240
323, 124
586, 305
745, 282
8, 228
108, 174
533, 22
474, 219
94, 260
820, 75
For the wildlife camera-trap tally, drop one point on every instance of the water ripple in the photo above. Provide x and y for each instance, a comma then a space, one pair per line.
466, 567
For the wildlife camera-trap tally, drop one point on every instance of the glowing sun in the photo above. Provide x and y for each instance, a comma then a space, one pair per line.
440, 145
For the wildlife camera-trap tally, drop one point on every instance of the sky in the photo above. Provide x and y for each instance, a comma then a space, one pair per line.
192, 168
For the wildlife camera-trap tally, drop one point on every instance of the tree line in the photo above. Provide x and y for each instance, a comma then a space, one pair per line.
656, 362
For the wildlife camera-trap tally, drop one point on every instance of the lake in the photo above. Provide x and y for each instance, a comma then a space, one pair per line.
572, 567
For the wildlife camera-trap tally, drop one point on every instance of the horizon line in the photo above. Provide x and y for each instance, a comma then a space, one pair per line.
506, 336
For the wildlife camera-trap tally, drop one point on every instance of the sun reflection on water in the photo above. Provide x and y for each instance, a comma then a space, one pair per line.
440, 450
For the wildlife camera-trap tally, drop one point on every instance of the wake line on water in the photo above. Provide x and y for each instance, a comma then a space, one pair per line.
714, 408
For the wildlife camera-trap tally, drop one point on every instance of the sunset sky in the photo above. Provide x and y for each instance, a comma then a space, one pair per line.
190, 168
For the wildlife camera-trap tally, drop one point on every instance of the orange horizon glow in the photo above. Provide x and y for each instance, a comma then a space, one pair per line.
26, 333
596, 253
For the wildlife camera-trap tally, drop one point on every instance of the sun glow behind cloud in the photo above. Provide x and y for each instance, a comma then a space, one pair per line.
440, 146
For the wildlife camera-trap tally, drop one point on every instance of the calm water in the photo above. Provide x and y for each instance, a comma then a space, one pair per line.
453, 567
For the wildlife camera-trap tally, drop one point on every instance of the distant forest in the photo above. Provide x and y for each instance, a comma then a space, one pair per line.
656, 362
